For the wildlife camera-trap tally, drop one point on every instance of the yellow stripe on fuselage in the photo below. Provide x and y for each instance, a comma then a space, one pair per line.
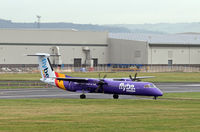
61, 83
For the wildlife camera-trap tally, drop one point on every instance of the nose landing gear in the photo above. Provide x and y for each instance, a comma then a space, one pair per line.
155, 97
82, 96
115, 96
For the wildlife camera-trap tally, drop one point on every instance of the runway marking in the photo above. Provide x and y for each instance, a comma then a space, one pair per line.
178, 85
181, 91
193, 85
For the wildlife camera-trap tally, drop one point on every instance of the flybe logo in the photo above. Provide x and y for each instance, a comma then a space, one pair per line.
127, 87
45, 68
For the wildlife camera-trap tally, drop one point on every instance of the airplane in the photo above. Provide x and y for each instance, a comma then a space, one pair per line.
115, 86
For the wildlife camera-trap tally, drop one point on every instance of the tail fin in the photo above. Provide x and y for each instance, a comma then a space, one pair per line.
45, 65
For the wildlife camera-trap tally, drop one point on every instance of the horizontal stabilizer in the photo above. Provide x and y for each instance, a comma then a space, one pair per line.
45, 66
42, 55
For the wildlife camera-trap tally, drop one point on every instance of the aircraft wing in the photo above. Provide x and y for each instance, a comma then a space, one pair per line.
86, 80
73, 79
143, 77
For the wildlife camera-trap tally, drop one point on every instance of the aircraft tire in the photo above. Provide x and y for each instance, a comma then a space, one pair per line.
82, 96
115, 96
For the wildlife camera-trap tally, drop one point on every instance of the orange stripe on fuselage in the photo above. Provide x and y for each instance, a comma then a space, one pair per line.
60, 83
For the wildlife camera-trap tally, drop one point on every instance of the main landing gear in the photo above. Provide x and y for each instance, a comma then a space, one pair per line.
155, 97
115, 96
82, 96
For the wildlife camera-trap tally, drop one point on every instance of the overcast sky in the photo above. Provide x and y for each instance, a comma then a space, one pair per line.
101, 11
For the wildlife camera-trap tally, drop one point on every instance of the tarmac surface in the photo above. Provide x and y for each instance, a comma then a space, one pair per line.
58, 93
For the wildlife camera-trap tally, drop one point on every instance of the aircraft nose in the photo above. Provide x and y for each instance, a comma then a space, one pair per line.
158, 92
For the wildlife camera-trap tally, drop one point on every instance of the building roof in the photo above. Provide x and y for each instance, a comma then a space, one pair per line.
183, 39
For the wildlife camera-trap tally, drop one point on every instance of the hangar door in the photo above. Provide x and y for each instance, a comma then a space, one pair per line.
170, 62
77, 62
95, 62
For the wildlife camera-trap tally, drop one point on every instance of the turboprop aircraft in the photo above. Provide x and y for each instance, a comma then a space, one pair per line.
115, 86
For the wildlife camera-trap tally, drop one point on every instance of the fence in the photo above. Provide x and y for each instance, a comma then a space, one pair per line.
177, 68
106, 68
23, 84
144, 68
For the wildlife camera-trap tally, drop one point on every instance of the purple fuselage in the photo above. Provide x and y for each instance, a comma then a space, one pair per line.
125, 87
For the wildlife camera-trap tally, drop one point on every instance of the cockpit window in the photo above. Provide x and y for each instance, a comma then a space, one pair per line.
149, 86
153, 86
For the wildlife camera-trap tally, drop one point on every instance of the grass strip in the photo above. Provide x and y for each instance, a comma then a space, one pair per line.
123, 115
159, 77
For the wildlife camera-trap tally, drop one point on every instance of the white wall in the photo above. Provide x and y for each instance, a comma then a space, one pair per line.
125, 52
70, 52
16, 54
178, 54
14, 43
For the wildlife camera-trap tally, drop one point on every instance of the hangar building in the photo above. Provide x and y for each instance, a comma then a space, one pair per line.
172, 49
75, 47
80, 48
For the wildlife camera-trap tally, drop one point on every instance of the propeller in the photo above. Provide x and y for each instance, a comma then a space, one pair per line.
101, 83
103, 76
135, 77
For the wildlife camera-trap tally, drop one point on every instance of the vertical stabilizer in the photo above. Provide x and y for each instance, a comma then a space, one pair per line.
45, 65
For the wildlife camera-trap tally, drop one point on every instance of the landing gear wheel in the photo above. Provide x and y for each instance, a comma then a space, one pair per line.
115, 96
155, 97
82, 96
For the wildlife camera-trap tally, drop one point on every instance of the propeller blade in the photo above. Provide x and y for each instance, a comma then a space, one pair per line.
99, 75
100, 83
130, 77
100, 86
135, 77
97, 89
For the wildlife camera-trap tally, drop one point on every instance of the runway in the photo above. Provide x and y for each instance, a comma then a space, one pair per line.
58, 93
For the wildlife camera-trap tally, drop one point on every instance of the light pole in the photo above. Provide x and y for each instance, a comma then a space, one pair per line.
38, 24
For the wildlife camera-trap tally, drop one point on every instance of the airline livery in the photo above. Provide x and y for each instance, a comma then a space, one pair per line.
115, 86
